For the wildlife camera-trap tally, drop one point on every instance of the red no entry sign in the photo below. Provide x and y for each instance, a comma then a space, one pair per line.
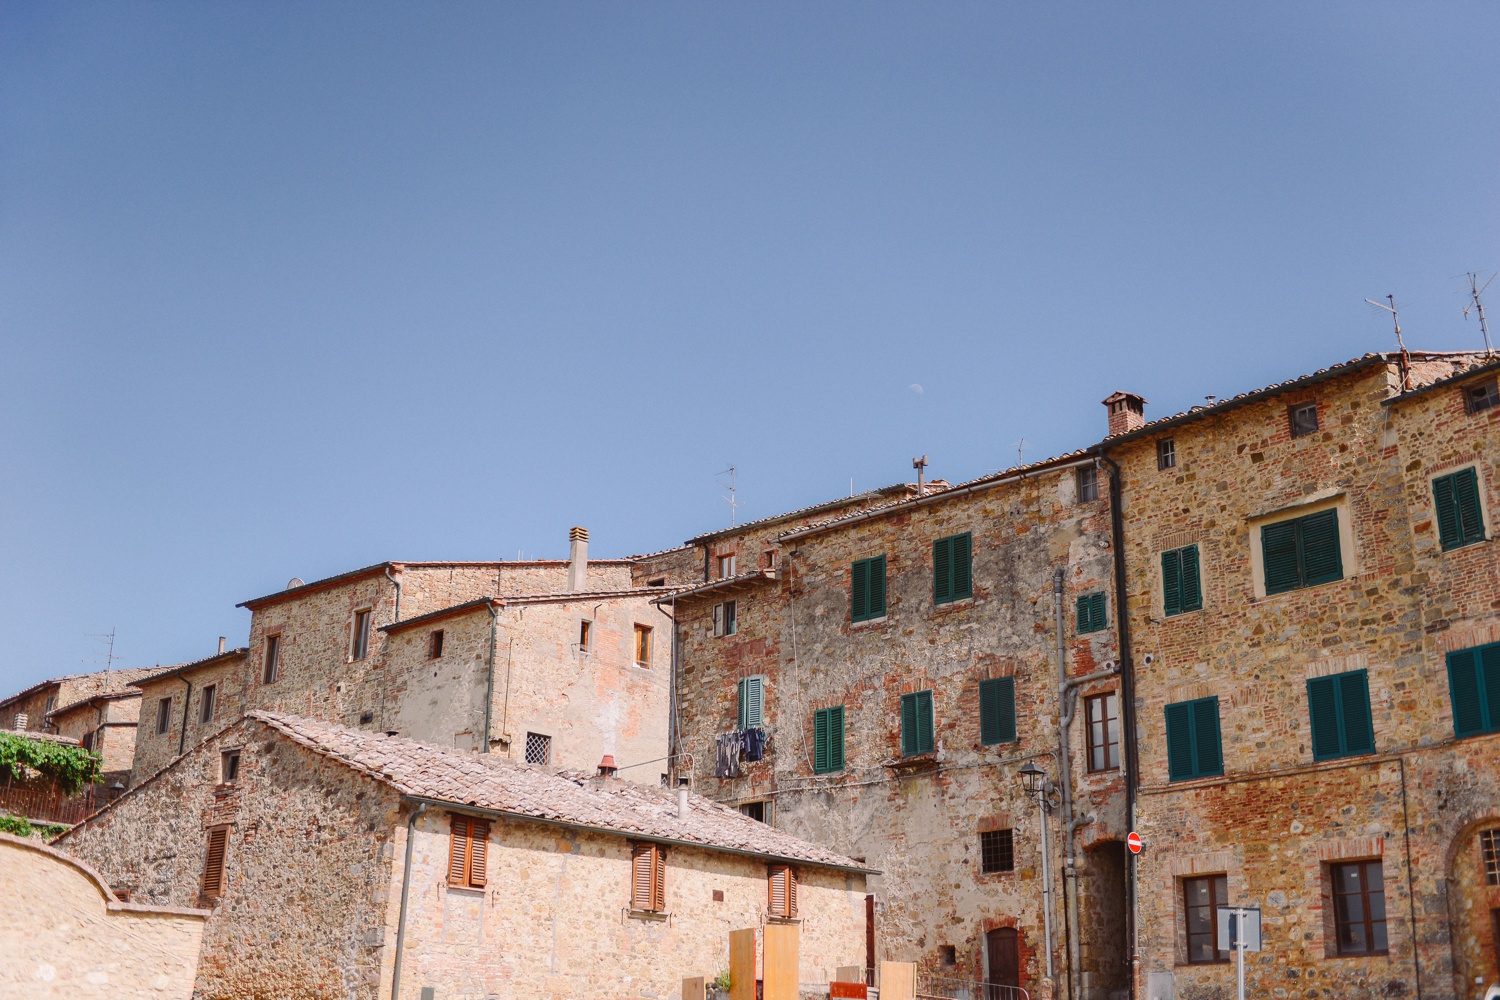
1133, 842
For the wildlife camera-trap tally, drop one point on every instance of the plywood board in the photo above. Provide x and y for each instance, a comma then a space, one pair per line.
898, 981
693, 989
742, 964
781, 962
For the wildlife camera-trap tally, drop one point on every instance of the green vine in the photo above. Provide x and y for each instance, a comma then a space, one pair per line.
24, 760
15, 825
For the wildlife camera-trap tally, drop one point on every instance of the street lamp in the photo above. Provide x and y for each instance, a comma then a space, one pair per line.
1034, 780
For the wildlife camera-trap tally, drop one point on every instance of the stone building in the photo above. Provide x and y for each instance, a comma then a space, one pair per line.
105, 724
338, 860
29, 709
181, 705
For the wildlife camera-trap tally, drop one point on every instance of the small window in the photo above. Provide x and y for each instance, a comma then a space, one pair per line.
1489, 847
1088, 483
213, 862
997, 851
1304, 418
207, 703
782, 889
657, 581
88, 740
1338, 709
725, 622
752, 702
1181, 588
1485, 396
365, 718
585, 635
1456, 500
758, 811
1474, 689
435, 645
163, 716
726, 566
643, 645
1102, 716
828, 740
1193, 747
770, 558
997, 711
50, 705
229, 767
949, 953
1166, 454
1301, 552
538, 748
1091, 615
468, 849
359, 648
916, 723
952, 568
648, 878
1359, 907
271, 669
867, 589
1201, 899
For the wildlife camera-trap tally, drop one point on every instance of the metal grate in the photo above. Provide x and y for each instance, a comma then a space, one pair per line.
1489, 843
997, 852
538, 749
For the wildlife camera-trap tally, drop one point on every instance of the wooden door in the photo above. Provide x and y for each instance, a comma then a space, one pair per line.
1005, 960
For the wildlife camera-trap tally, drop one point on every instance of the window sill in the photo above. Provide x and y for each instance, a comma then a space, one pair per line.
869, 622
776, 918
1360, 954
651, 915
466, 890
957, 604
1205, 965
916, 762
1466, 545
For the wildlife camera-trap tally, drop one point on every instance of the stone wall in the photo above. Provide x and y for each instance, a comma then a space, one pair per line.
232, 676
112, 723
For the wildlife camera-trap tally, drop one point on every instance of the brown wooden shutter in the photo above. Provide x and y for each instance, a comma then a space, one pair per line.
213, 864
658, 879
458, 851
642, 877
782, 886
479, 839
791, 892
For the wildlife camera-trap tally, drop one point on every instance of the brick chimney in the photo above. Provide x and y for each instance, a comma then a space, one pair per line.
1127, 412
578, 560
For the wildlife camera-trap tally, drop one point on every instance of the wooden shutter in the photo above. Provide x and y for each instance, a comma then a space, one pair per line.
1322, 711
963, 564
1171, 582
213, 862
836, 738
1449, 529
1464, 690
752, 703
458, 851
1489, 676
997, 710
643, 877
876, 606
942, 570
1179, 741
1083, 622
1190, 590
1207, 753
908, 725
479, 841
718, 619
820, 741
1355, 724
1321, 562
1466, 496
1278, 548
781, 885
859, 591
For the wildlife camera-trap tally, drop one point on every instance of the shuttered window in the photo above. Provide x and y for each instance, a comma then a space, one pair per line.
725, 620
1193, 748
951, 568
1474, 686
1456, 498
828, 739
1338, 709
648, 878
752, 702
213, 862
1302, 552
1180, 587
1091, 613
916, 723
867, 589
997, 711
781, 884
468, 852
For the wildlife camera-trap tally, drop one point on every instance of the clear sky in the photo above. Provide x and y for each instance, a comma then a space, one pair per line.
287, 289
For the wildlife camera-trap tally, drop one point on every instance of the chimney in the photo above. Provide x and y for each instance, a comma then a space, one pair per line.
1127, 412
682, 797
21, 720
221, 643
607, 766
578, 560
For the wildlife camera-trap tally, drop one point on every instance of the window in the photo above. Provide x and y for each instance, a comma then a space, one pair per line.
435, 645
916, 723
949, 953
1359, 907
782, 887
206, 703
752, 701
1304, 418
1193, 749
163, 716
366, 717
1338, 709
648, 878
828, 739
50, 705
1489, 847
229, 766
1088, 483
1474, 687
1166, 454
726, 566
1201, 899
213, 862
643, 645
1482, 397
272, 667
1302, 552
1456, 499
658, 581
867, 589
88, 740
997, 711
468, 847
951, 568
1091, 613
997, 852
725, 622
359, 648
538, 749
770, 555
1181, 590
758, 811
1101, 714
585, 635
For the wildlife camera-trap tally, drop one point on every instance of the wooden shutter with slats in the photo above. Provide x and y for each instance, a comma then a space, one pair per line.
1464, 690
963, 565
1456, 501
1171, 582
997, 710
1190, 587
1207, 753
859, 591
781, 885
479, 839
1278, 546
458, 851
1355, 724
1321, 560
752, 702
1322, 712
213, 862
1179, 742
468, 852
942, 570
648, 878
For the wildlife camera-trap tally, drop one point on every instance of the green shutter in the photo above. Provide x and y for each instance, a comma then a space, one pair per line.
1319, 539
1464, 690
1207, 752
1179, 741
859, 591
1489, 676
752, 703
877, 587
1450, 533
997, 711
1091, 613
1456, 498
942, 570
1323, 712
1191, 592
836, 738
1466, 492
916, 723
963, 565
820, 741
1278, 547
1354, 706
1171, 582
924, 721
1084, 620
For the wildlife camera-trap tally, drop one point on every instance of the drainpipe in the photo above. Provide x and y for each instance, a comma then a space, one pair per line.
187, 706
489, 681
397, 584
411, 831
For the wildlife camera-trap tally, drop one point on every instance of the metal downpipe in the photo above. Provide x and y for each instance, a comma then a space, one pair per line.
411, 829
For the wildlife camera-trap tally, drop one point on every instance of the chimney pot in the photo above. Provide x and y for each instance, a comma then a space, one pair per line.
682, 798
221, 643
578, 559
1127, 412
607, 766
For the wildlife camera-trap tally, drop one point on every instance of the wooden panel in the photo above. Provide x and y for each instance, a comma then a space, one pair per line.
692, 989
849, 974
847, 991
780, 962
898, 981
742, 964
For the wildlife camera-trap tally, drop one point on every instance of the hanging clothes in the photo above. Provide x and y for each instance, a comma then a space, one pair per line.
755, 744
727, 756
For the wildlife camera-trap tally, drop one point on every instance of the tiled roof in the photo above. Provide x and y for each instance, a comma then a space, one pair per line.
492, 784
725, 583
380, 568
32, 734
180, 668
86, 686
897, 488
561, 597
1484, 365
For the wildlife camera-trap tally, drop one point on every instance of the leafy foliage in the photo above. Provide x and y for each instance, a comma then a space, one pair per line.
15, 825
69, 768
722, 980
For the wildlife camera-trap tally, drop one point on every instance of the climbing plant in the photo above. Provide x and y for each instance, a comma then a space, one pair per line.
69, 768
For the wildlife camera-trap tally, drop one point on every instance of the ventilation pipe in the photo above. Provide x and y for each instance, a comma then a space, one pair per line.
221, 643
607, 766
682, 797
578, 559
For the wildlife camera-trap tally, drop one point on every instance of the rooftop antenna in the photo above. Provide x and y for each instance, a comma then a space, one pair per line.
1477, 306
733, 504
1020, 450
1405, 358
920, 464
109, 640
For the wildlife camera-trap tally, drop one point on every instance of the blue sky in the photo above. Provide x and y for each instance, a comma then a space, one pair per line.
287, 289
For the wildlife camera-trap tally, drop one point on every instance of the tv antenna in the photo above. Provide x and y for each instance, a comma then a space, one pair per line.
1396, 319
733, 504
1477, 306
109, 649
1020, 450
